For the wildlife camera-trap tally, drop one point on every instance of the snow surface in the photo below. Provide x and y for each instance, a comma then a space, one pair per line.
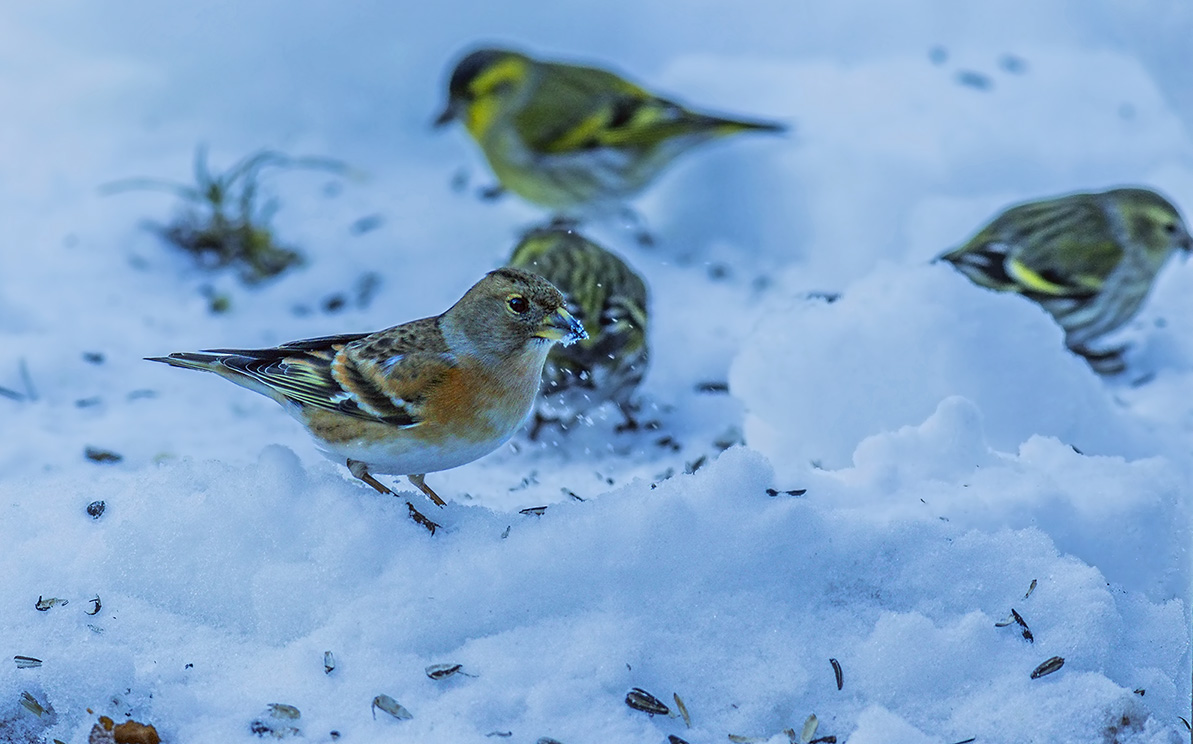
952, 452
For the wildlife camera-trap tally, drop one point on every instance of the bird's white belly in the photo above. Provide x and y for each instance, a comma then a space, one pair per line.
410, 456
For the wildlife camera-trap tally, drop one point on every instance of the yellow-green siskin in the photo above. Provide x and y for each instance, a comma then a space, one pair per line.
610, 301
1089, 259
568, 136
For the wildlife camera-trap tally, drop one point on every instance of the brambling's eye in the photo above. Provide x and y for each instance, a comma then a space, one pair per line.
518, 304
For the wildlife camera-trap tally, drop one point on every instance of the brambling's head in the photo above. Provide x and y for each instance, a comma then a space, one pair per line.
509, 311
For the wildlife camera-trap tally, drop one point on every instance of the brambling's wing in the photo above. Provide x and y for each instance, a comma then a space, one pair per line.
333, 373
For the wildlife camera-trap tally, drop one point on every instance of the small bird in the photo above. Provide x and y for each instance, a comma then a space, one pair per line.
610, 300
569, 137
1089, 259
421, 397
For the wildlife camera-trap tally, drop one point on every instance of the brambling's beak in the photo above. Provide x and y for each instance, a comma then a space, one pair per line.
450, 112
563, 327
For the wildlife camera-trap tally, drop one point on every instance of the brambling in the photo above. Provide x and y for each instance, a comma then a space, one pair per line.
421, 397
609, 299
567, 136
1089, 259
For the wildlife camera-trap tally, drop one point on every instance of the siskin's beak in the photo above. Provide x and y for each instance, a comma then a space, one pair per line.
563, 327
450, 112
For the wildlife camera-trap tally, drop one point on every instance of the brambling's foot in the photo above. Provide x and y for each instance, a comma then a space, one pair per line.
361, 471
419, 481
540, 421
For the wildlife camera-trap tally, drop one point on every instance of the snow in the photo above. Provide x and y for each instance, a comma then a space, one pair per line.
912, 455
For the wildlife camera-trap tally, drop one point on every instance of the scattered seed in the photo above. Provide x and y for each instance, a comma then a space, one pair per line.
547, 740
1012, 64
329, 662
1140, 692
746, 739
970, 740
506, 532
793, 492
572, 494
94, 357
1030, 589
683, 709
43, 605
695, 465
975, 80
443, 671
712, 387
673, 739
91, 402
1008, 620
809, 729
30, 703
1048, 667
94, 610
502, 734
365, 224
26, 662
831, 739
534, 510
640, 699
95, 454
1187, 726
95, 509
390, 706
94, 628
837, 673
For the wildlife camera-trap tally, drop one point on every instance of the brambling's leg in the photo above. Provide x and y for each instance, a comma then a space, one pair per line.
418, 479
537, 427
631, 420
361, 471
491, 193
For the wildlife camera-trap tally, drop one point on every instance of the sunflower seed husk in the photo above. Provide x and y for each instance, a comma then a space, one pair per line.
809, 729
443, 671
392, 707
838, 674
683, 710
1030, 589
96, 608
329, 662
1048, 667
26, 662
640, 699
30, 704
45, 604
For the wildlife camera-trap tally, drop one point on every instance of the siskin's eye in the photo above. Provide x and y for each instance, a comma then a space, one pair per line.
1170, 228
518, 304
